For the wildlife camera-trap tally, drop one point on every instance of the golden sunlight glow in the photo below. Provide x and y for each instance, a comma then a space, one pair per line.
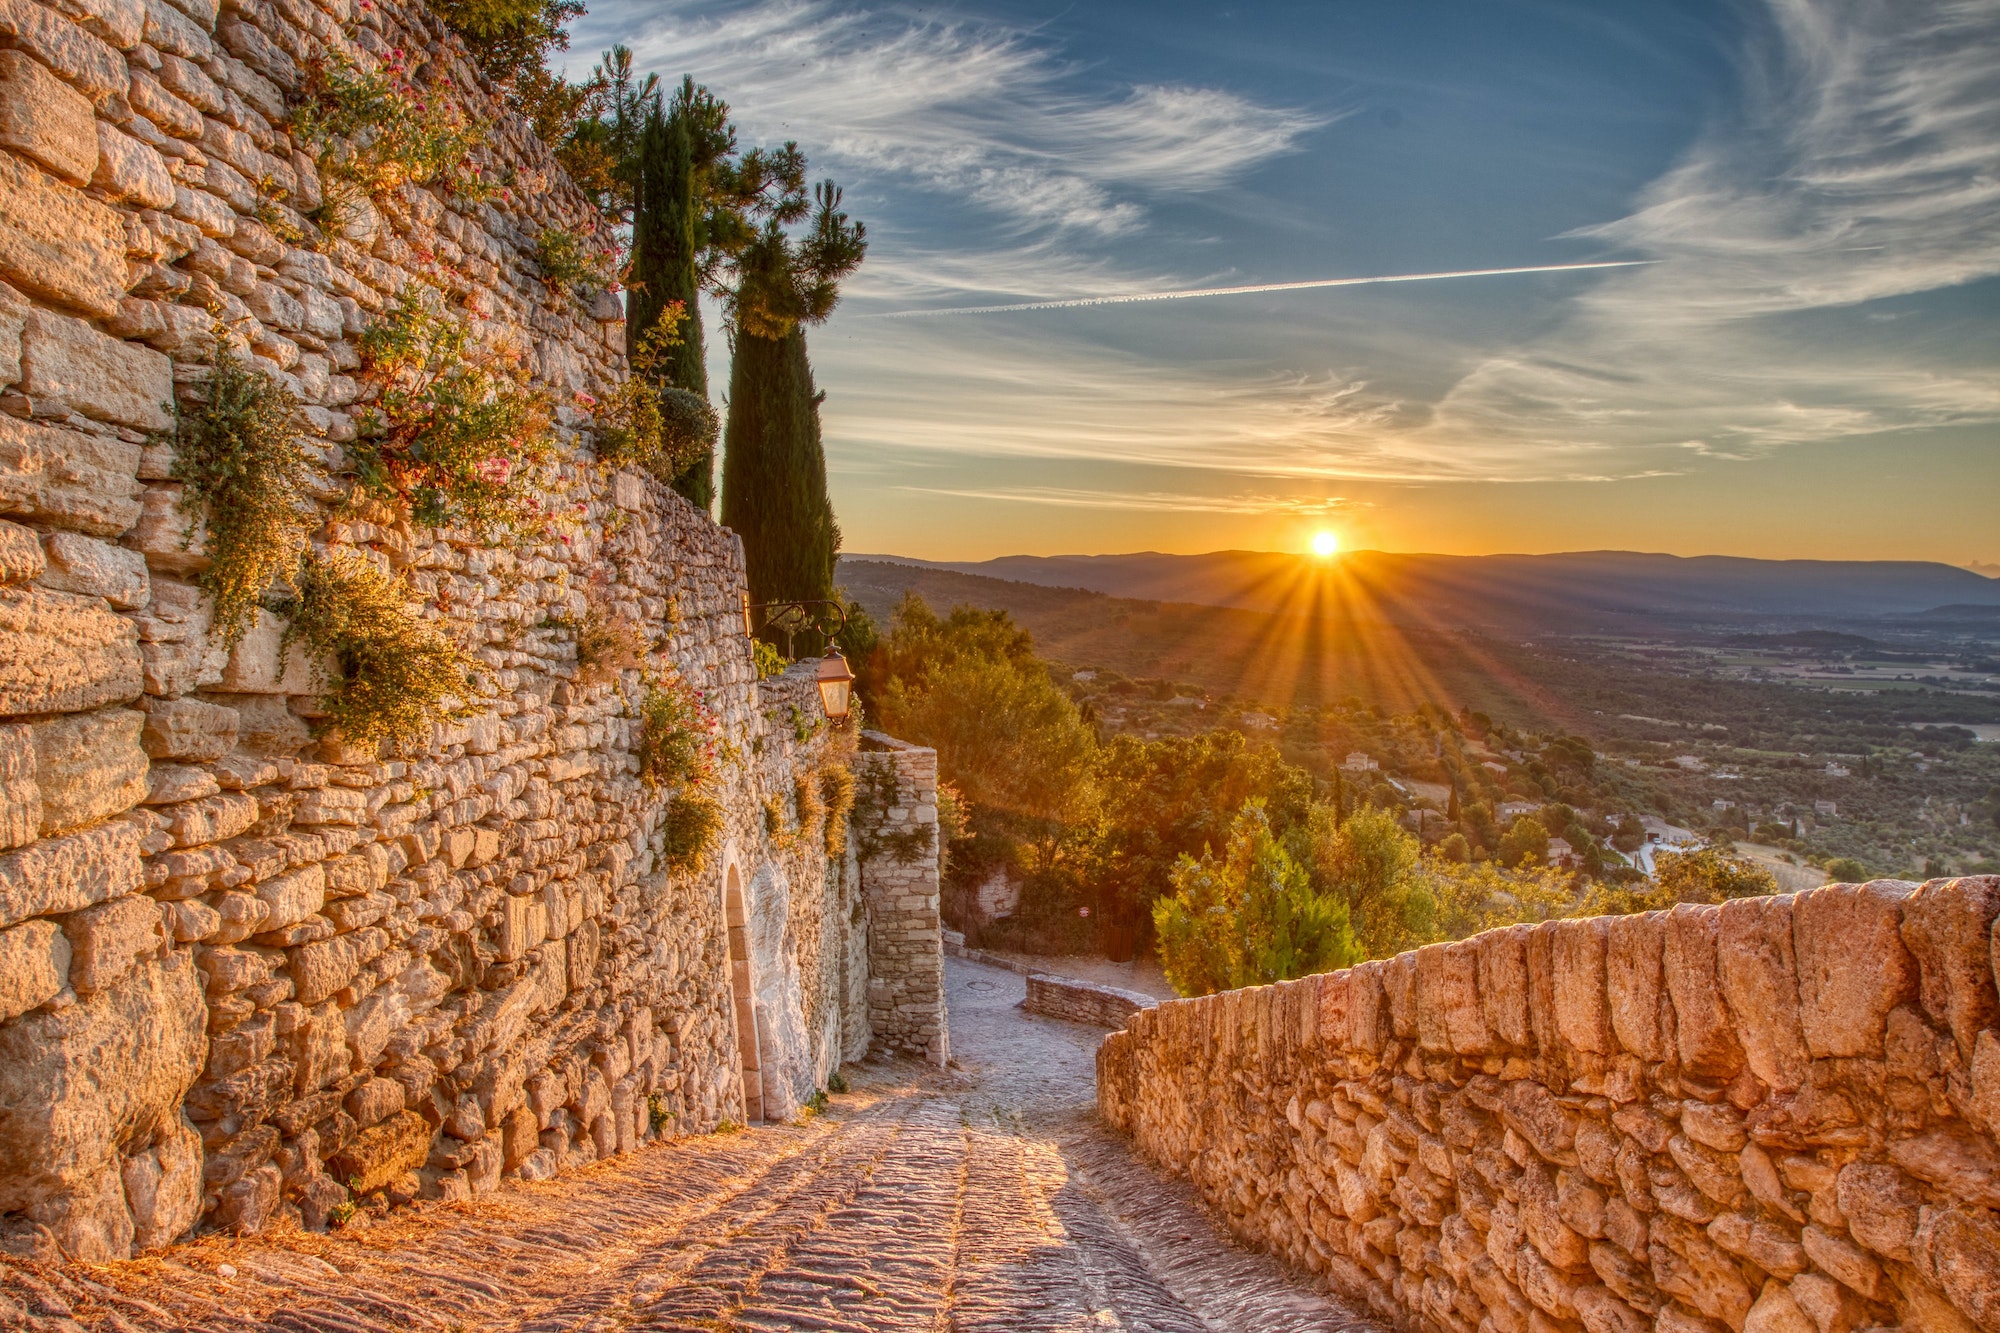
1325, 543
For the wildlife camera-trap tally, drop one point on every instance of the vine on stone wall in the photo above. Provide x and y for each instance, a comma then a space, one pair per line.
691, 829
384, 673
373, 131
239, 455
874, 795
457, 434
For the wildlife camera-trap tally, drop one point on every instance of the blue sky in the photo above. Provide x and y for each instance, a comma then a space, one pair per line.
1803, 367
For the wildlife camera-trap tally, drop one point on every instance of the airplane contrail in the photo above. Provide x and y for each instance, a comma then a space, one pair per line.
1081, 301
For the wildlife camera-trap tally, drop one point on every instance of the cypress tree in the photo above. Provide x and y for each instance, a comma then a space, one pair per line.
774, 473
665, 251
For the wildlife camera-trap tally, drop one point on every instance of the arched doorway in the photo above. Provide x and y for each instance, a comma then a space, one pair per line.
742, 997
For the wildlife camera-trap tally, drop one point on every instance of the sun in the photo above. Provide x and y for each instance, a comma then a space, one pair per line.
1326, 543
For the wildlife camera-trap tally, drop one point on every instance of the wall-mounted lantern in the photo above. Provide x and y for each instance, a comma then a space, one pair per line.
836, 685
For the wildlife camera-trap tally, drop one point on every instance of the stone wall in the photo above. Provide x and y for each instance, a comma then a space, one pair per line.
1082, 1001
1773, 1116
895, 830
246, 976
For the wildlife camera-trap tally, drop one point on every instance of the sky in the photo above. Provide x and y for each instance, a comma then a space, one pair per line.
1799, 360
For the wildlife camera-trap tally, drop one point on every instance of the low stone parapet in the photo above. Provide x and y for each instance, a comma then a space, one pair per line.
1776, 1113
1082, 1001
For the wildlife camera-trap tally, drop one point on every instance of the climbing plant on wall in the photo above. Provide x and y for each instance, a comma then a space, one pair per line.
455, 432
383, 673
243, 469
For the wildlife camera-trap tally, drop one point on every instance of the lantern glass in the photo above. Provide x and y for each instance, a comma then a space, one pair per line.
836, 684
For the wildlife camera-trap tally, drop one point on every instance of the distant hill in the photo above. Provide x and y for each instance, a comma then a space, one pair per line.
1231, 651
1579, 590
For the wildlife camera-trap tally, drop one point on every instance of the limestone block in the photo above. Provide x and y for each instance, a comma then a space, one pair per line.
1447, 999
1776, 1312
93, 568
259, 665
320, 969
64, 874
210, 819
92, 67
56, 242
21, 558
34, 967
1959, 1250
269, 726
46, 119
20, 798
1583, 1013
1704, 1030
163, 1186
61, 653
174, 32
81, 1083
248, 1206
119, 22
188, 729
293, 897
131, 171
88, 766
1503, 984
102, 377
67, 478
167, 784
375, 1101
108, 940
1882, 1207
1946, 925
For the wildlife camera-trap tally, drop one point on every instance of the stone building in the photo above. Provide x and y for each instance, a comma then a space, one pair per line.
249, 974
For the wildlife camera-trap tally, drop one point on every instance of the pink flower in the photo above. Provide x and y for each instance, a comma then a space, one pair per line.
587, 400
496, 470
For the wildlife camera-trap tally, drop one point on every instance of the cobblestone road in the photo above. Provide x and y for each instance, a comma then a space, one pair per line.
985, 1198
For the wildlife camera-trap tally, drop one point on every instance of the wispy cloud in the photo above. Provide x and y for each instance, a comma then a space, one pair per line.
976, 111
1863, 164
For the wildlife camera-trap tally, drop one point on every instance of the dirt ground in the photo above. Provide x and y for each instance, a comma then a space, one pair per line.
986, 1197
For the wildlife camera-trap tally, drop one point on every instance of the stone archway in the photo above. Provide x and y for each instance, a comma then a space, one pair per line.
743, 995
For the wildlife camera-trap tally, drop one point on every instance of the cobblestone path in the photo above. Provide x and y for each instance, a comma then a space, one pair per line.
984, 1198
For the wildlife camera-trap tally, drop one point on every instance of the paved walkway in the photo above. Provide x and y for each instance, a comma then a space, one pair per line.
986, 1198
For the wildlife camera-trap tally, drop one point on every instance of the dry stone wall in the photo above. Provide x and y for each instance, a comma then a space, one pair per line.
896, 836
1773, 1116
249, 977
1082, 1001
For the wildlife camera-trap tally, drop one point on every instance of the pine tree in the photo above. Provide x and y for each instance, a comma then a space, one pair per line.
774, 474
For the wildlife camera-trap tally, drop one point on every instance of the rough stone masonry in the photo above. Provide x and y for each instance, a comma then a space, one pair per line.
1773, 1116
249, 977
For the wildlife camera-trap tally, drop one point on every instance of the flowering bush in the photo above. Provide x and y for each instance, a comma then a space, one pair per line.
456, 432
375, 131
677, 739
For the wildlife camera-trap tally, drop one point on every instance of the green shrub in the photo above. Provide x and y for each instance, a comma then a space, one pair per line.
693, 825
573, 262
457, 433
397, 676
373, 132
769, 661
676, 735
648, 424
1249, 917
238, 451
